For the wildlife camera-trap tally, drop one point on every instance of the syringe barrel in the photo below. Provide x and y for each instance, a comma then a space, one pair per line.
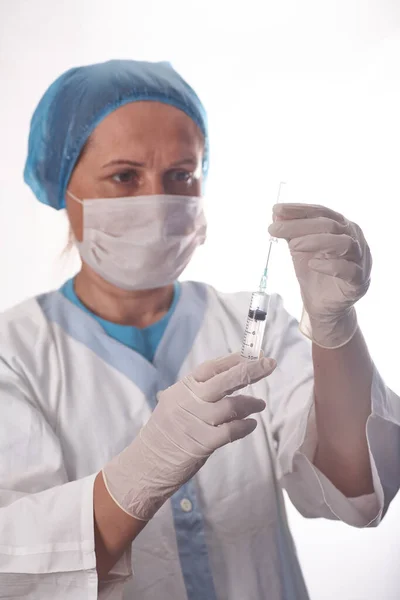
255, 326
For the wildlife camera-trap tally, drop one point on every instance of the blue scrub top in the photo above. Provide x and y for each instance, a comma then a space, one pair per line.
144, 341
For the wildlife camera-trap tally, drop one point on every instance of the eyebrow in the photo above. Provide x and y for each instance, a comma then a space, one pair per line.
185, 161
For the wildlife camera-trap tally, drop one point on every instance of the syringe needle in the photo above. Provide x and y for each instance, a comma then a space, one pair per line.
279, 191
269, 254
263, 282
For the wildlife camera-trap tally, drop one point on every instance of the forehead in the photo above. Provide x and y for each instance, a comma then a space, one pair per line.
147, 122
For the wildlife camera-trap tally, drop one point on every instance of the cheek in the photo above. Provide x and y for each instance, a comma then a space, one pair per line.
75, 216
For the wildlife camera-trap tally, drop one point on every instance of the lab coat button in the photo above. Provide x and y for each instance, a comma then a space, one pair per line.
186, 505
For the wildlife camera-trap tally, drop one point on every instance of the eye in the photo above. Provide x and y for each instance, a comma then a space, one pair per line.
181, 176
125, 177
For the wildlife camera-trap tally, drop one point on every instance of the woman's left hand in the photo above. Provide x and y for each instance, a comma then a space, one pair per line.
333, 264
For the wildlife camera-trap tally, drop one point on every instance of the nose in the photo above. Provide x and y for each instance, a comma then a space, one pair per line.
153, 184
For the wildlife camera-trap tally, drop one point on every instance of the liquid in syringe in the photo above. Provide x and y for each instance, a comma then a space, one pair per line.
255, 326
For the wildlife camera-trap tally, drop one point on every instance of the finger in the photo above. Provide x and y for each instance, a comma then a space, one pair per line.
236, 430
231, 408
342, 269
289, 230
236, 378
210, 368
327, 244
306, 211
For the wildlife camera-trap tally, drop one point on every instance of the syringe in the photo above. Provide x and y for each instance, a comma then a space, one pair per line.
255, 326
258, 310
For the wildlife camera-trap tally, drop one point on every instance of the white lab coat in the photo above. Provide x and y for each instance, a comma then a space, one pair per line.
71, 397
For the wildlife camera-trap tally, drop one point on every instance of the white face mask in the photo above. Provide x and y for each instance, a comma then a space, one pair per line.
142, 242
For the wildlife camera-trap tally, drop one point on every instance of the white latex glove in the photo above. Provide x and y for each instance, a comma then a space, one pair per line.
333, 264
193, 418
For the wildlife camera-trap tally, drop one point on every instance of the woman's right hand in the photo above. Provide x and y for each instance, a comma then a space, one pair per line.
193, 418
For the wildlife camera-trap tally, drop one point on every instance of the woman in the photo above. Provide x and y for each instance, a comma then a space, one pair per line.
93, 483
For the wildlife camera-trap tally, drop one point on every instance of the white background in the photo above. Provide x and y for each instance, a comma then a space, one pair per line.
307, 92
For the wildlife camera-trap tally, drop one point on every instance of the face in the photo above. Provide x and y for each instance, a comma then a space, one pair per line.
140, 149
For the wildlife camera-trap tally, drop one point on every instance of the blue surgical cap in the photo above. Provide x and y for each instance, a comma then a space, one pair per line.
76, 103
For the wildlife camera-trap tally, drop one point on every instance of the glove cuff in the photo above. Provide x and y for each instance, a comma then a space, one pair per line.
130, 481
330, 333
